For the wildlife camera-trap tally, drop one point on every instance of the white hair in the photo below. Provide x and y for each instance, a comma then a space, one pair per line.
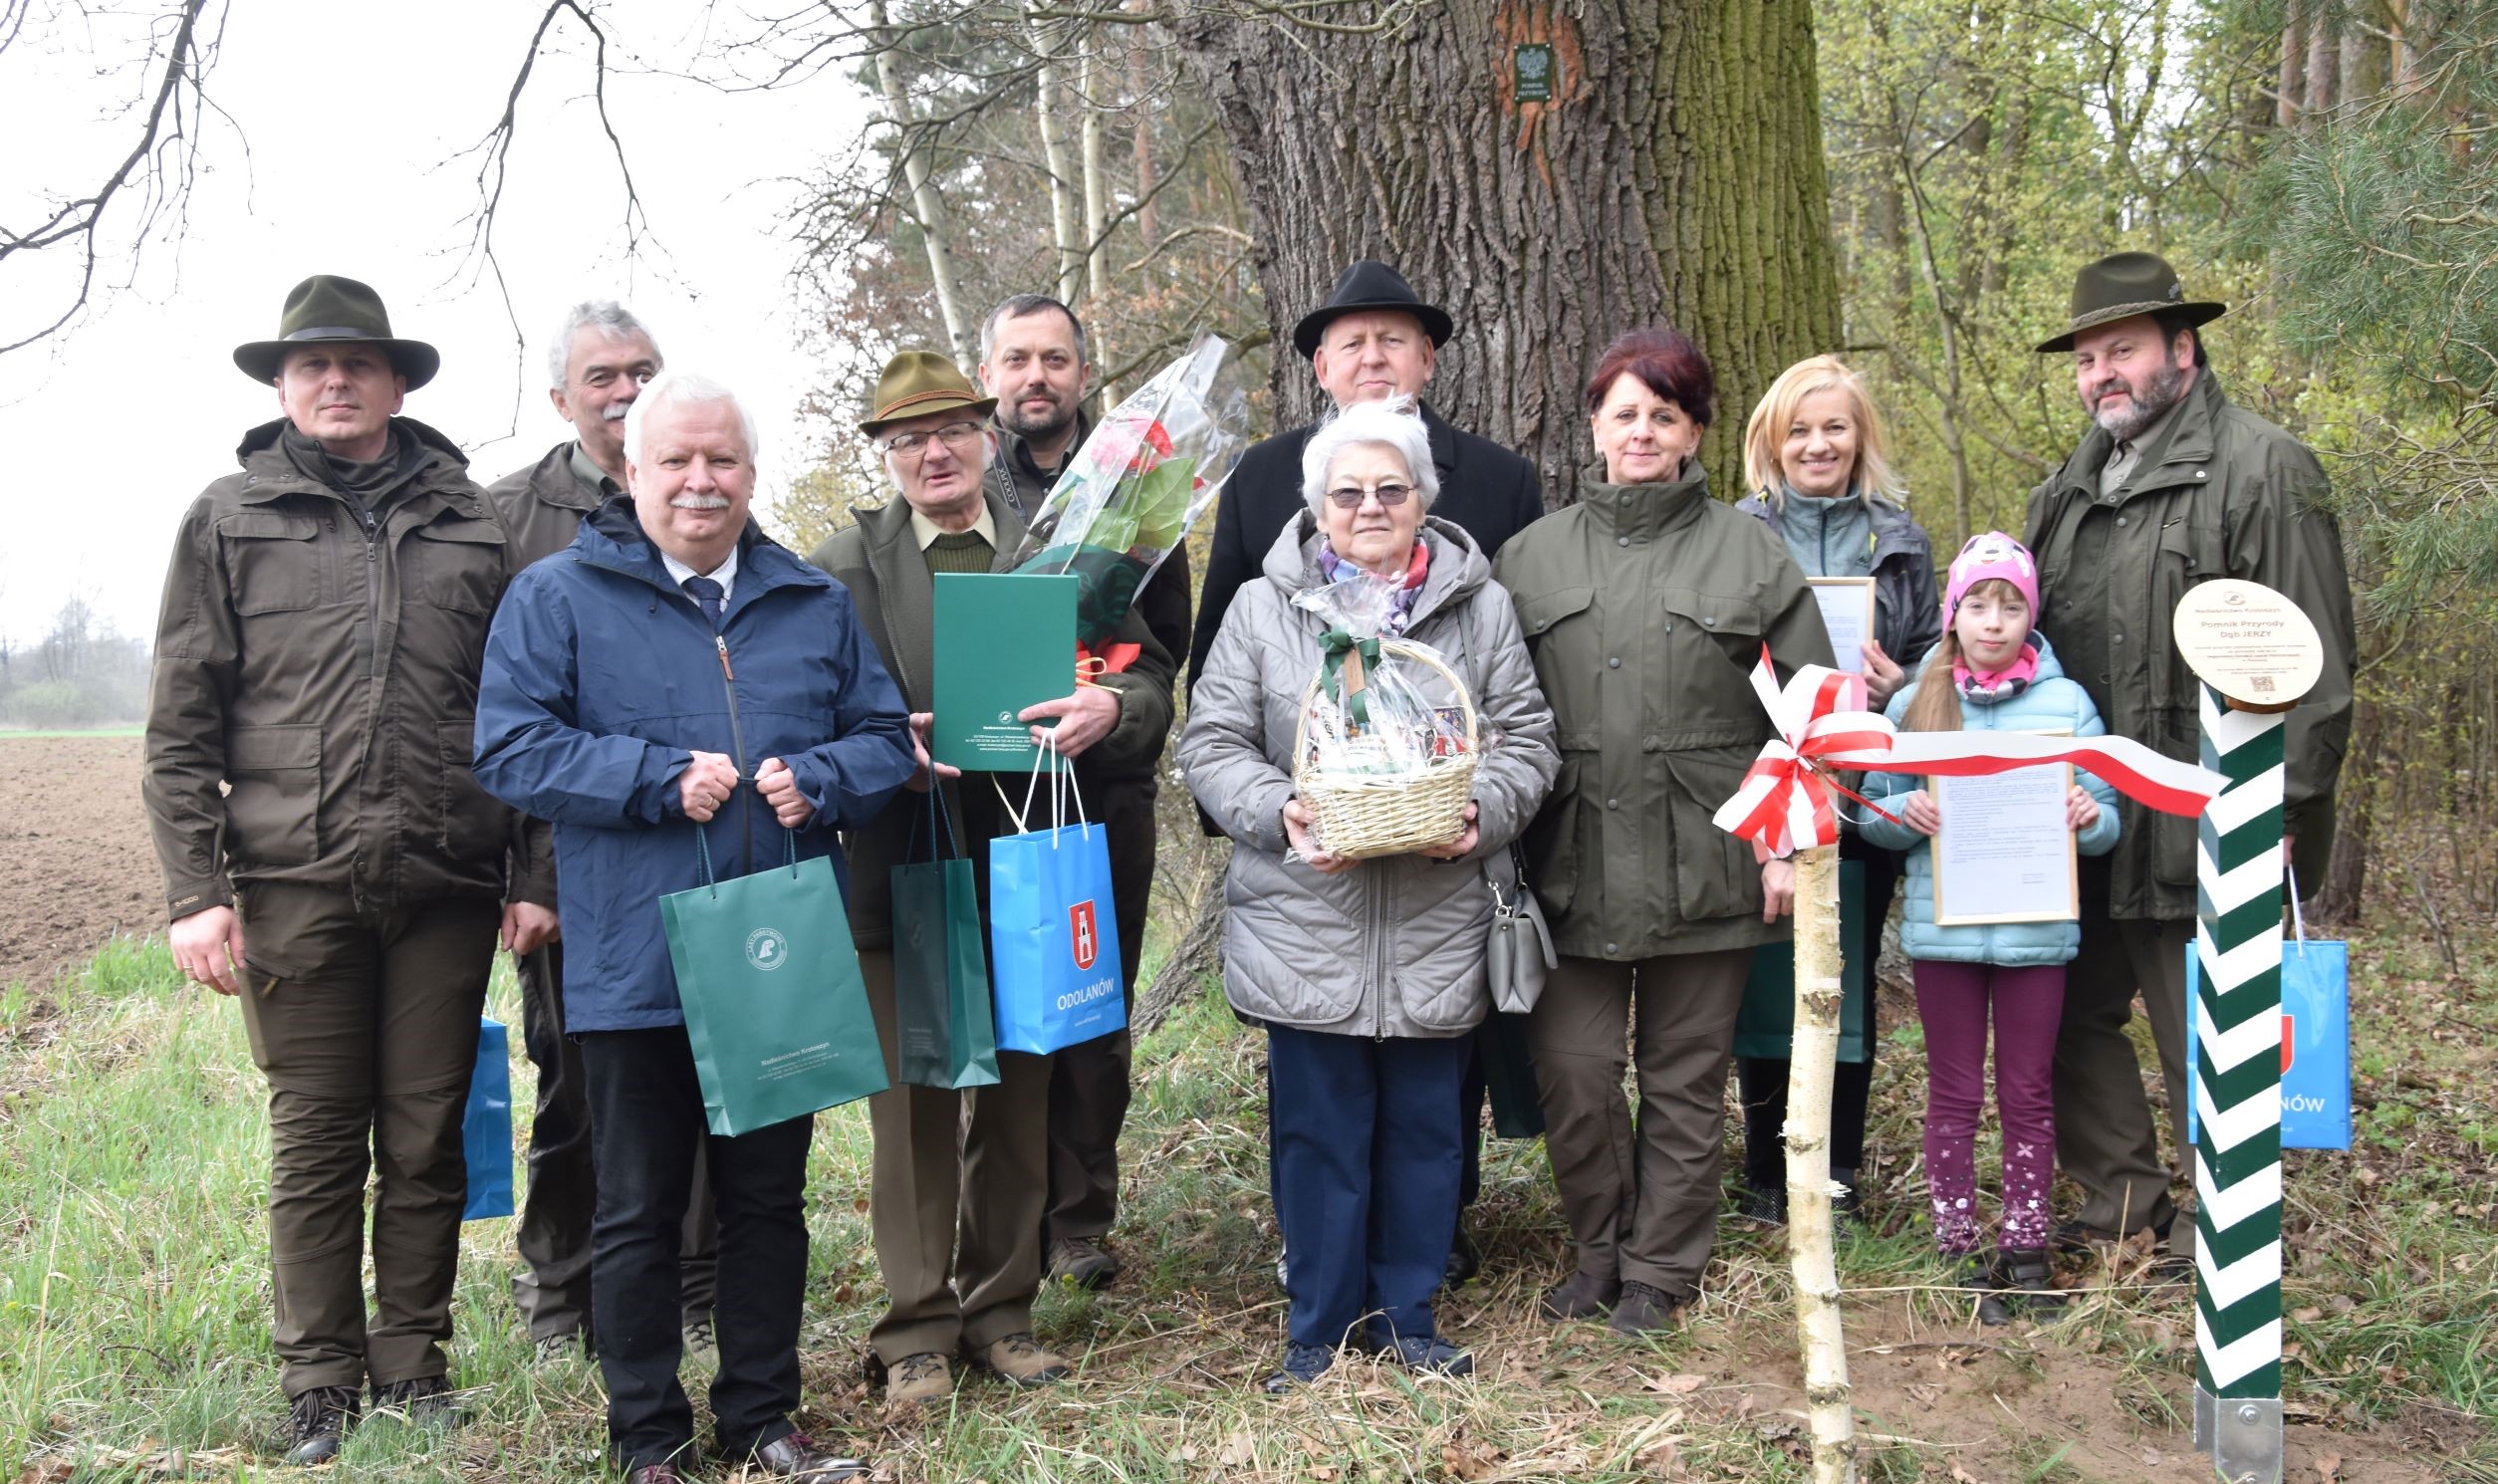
1392, 424
673, 387
608, 317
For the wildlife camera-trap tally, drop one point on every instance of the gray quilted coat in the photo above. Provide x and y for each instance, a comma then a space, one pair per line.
1396, 945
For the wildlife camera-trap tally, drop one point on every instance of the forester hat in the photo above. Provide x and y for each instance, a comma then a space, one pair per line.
917, 382
2123, 285
327, 308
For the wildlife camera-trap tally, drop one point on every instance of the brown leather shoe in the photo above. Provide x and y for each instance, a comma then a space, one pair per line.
794, 1455
1580, 1296
1019, 1358
916, 1380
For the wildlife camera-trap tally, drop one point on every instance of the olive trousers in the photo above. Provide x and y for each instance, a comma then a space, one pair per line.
958, 1182
363, 1019
1641, 1195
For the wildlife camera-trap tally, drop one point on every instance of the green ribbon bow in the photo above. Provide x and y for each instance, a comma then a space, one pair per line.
1335, 645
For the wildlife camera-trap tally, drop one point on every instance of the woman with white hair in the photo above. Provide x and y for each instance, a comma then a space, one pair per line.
1366, 973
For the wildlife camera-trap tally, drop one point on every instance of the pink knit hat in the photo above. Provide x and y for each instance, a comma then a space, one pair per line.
1992, 555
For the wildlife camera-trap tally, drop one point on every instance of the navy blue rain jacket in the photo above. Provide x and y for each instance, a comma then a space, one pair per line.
603, 676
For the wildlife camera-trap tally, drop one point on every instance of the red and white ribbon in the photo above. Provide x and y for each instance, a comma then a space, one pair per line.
1785, 801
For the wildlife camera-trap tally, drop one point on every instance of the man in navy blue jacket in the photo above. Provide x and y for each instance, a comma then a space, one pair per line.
675, 670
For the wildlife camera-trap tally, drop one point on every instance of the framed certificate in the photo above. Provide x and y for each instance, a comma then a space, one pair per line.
1848, 613
2005, 852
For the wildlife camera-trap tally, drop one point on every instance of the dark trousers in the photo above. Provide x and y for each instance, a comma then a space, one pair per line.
1366, 1175
1640, 1197
646, 1118
2106, 1137
1762, 1081
1088, 1081
552, 1289
365, 1021
958, 1181
1955, 1003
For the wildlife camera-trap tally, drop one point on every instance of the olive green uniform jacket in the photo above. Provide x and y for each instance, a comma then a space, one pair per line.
1646, 608
2230, 495
880, 562
327, 677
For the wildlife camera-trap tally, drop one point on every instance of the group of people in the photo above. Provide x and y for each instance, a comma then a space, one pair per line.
399, 717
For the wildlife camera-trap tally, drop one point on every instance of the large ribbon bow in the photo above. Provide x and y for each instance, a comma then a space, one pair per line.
1333, 645
1784, 804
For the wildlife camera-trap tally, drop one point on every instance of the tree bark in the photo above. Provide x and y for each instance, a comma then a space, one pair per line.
1810, 1238
2288, 99
1049, 97
925, 203
1092, 96
1673, 175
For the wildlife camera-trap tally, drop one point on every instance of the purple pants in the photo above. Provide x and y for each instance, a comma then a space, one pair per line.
1955, 1001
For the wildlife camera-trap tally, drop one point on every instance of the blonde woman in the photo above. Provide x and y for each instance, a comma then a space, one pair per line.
1815, 458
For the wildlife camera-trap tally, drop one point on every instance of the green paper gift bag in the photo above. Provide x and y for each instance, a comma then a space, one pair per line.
774, 1004
940, 970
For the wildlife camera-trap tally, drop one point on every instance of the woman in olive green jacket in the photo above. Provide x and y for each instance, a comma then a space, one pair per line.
1645, 606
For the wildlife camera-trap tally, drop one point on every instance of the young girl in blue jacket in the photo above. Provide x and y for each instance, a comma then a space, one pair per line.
1990, 672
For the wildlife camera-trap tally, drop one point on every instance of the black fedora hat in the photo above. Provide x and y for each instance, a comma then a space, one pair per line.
326, 307
1370, 284
2123, 285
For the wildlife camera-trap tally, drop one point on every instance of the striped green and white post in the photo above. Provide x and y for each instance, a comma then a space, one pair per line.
2256, 655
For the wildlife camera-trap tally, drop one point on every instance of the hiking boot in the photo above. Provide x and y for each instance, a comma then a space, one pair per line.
2077, 1238
1428, 1355
425, 1402
916, 1380
1764, 1206
1644, 1309
2028, 1283
1981, 1273
1082, 1262
316, 1422
1019, 1358
1303, 1363
794, 1455
559, 1350
1580, 1296
701, 1341
1464, 1259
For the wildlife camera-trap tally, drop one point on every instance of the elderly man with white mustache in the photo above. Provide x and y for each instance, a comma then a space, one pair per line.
598, 362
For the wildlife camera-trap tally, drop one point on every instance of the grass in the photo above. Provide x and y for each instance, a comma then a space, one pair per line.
134, 1297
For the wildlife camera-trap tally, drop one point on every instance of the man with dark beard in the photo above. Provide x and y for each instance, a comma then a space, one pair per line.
1033, 361
2173, 486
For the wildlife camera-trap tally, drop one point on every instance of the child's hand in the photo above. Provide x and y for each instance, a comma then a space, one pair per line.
2081, 810
1919, 811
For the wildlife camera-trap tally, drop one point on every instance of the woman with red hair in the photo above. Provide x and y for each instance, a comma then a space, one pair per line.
1645, 606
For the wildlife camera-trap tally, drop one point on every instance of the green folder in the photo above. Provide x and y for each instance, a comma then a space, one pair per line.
1004, 642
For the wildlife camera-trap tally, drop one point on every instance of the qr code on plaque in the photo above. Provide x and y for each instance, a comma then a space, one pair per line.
2260, 684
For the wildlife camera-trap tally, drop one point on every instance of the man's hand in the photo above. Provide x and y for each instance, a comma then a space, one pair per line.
1297, 822
1084, 718
2081, 810
1778, 890
1919, 813
921, 782
707, 783
1883, 677
208, 948
528, 927
779, 788
1460, 847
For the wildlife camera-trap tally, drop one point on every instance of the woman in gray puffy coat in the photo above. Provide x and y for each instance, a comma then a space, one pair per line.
1366, 973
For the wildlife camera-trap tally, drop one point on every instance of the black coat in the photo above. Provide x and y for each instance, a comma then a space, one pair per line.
1487, 490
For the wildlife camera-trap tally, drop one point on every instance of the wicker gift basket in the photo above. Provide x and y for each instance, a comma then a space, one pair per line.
1384, 808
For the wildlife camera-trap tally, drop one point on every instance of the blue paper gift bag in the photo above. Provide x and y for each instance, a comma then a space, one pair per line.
2315, 1043
486, 1128
1054, 958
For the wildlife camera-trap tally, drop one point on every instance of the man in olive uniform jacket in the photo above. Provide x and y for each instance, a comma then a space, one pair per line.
2172, 485
328, 856
1033, 361
596, 364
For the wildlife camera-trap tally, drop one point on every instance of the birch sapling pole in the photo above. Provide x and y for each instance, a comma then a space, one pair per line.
1812, 1063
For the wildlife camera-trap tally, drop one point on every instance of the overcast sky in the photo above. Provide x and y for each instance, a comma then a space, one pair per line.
352, 114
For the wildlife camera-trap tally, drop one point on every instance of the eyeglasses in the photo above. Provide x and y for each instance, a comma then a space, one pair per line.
955, 434
1388, 493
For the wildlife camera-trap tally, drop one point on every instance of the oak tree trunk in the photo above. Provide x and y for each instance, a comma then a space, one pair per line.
1675, 175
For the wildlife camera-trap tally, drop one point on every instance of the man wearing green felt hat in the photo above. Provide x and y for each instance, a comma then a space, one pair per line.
329, 858
2172, 485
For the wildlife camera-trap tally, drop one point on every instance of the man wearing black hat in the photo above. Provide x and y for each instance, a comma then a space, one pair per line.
328, 856
1371, 340
2172, 485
